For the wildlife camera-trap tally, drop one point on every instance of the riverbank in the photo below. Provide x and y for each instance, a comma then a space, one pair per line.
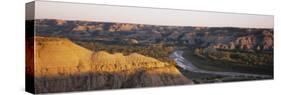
205, 76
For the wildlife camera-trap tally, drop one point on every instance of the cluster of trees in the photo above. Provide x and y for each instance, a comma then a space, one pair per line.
157, 51
235, 56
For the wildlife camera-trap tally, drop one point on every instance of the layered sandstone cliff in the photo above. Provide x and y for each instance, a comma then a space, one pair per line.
61, 65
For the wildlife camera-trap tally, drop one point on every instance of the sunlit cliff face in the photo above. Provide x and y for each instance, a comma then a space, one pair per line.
60, 57
58, 61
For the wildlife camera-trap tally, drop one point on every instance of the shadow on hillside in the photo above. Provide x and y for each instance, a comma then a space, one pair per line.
102, 81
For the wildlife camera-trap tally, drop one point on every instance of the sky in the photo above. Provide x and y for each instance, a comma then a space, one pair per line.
153, 16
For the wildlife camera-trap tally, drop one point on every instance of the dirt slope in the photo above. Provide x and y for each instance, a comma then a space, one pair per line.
60, 62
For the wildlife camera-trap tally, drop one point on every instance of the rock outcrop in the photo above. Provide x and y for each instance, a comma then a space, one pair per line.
122, 27
58, 56
61, 65
262, 41
217, 37
267, 40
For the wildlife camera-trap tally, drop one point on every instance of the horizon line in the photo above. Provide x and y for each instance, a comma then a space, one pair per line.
156, 24
147, 15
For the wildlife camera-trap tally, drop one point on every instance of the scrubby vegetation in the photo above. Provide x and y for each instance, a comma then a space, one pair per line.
236, 56
157, 51
231, 60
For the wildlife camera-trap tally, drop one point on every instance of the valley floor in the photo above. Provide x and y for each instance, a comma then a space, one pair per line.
199, 75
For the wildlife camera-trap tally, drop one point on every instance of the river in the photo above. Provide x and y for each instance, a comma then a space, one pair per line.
187, 65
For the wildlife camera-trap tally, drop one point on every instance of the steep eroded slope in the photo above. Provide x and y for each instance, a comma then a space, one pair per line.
61, 65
